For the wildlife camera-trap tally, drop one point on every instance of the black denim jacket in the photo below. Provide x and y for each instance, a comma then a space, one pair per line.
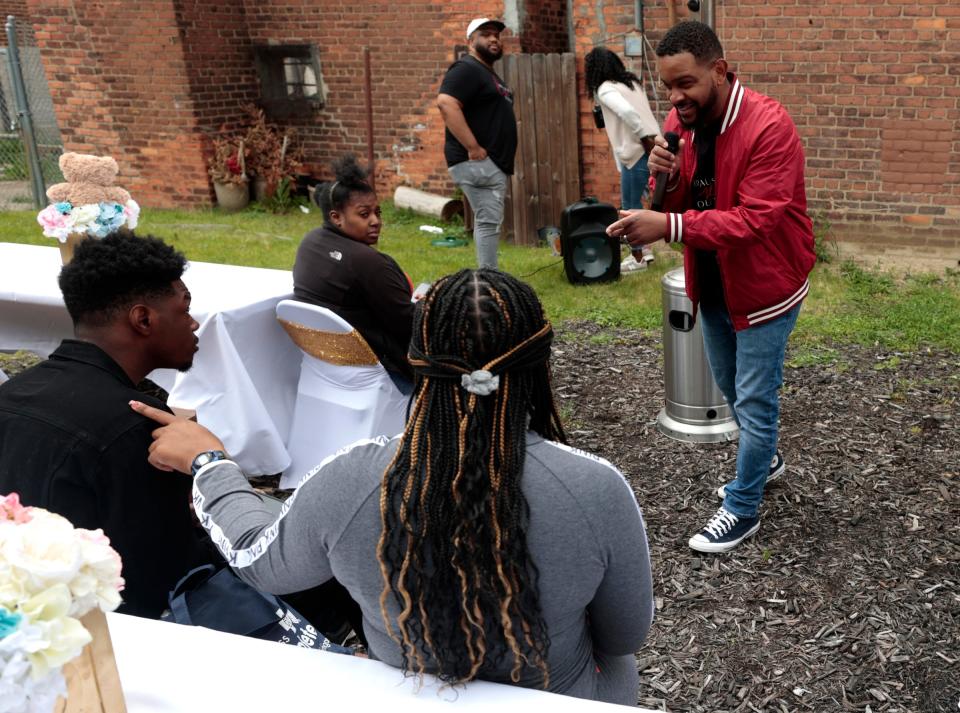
70, 443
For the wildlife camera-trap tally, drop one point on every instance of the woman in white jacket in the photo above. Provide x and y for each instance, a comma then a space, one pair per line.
631, 128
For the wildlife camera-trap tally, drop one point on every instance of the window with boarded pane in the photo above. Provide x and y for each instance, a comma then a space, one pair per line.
290, 79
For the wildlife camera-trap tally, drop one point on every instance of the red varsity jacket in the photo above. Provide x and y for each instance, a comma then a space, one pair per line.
759, 227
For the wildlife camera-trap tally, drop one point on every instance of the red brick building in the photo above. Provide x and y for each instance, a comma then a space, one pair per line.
151, 82
873, 87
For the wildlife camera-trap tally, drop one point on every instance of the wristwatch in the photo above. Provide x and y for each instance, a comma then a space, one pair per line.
206, 457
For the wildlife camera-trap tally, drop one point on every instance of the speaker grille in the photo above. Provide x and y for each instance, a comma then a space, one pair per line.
592, 256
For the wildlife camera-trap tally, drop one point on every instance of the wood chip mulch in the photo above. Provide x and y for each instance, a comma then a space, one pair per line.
848, 598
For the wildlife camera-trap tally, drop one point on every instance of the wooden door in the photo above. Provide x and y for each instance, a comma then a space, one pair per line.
546, 175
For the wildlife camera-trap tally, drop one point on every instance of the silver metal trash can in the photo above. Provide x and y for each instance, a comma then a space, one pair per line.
695, 410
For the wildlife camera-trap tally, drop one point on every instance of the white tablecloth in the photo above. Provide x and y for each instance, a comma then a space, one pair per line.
169, 667
244, 379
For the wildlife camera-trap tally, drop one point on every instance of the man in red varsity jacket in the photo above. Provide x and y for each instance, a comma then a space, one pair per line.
735, 199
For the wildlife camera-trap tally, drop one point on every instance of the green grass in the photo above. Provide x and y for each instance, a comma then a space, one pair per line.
851, 304
847, 303
813, 355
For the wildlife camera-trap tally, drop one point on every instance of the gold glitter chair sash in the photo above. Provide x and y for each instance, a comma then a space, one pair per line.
340, 348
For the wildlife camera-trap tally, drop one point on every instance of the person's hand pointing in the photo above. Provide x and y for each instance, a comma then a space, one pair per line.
178, 441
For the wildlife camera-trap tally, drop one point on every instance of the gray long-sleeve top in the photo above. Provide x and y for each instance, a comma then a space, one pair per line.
586, 536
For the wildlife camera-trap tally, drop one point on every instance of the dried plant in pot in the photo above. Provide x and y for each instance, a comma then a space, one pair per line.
228, 171
272, 156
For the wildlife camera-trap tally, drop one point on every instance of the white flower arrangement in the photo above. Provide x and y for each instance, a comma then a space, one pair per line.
51, 574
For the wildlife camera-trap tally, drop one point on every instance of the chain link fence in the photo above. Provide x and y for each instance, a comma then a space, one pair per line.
16, 185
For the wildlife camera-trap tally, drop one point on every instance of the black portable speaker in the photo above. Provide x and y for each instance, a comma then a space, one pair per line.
589, 254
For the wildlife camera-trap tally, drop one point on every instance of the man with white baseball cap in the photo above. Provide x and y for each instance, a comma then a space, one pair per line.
479, 22
481, 132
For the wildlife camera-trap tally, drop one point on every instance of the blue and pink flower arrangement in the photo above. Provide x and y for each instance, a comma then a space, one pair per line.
96, 220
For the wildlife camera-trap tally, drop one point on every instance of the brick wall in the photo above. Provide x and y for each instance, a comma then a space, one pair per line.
411, 44
17, 8
117, 73
13, 7
111, 98
874, 89
218, 58
544, 26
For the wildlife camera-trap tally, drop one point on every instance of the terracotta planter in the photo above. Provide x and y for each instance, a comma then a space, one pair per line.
232, 196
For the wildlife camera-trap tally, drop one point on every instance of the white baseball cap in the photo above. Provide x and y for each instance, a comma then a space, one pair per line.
480, 22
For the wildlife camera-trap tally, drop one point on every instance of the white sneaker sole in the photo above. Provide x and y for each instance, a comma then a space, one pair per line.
702, 545
633, 266
775, 475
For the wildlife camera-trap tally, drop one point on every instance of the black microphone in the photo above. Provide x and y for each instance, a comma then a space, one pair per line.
673, 145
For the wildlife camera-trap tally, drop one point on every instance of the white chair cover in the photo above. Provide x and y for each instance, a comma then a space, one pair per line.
336, 405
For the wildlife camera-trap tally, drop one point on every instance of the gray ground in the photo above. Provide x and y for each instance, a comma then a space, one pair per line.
849, 596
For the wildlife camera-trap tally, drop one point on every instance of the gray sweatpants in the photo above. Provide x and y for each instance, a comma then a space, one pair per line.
485, 186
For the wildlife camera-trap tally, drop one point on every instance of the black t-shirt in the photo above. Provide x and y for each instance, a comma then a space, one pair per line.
488, 109
703, 195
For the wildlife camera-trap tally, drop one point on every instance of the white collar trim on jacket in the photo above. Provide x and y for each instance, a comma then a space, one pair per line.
733, 105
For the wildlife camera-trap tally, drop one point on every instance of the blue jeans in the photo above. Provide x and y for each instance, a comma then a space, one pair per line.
748, 367
633, 184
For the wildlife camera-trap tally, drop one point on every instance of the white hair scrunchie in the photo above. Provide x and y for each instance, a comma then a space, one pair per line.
481, 382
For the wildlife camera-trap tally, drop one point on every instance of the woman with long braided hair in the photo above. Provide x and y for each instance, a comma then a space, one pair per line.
454, 516
477, 544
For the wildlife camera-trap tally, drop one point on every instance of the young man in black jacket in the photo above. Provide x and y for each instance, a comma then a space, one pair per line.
70, 443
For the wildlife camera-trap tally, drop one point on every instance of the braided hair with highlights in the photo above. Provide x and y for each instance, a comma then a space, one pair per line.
453, 550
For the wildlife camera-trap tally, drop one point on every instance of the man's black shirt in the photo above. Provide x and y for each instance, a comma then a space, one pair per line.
488, 109
70, 443
703, 194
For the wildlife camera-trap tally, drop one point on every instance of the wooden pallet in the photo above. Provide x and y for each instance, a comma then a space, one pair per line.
93, 682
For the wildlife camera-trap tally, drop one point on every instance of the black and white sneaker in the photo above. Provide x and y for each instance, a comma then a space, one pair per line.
724, 532
777, 466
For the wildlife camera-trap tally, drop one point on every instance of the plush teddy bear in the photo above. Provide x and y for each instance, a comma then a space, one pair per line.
89, 180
